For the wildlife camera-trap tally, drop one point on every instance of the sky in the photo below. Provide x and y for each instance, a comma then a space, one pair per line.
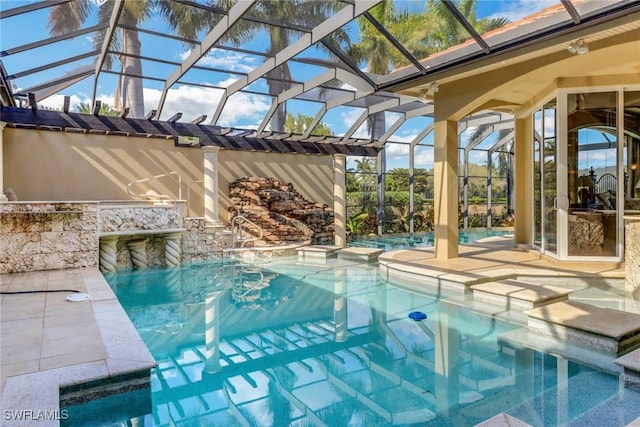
243, 110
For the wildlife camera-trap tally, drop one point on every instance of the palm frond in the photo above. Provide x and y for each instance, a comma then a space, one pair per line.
69, 16
187, 21
115, 45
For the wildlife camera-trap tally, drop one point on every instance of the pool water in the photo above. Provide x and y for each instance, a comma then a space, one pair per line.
390, 242
286, 344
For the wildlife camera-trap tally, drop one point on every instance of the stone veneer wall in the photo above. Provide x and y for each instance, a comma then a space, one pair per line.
632, 258
200, 242
139, 220
48, 236
283, 213
37, 236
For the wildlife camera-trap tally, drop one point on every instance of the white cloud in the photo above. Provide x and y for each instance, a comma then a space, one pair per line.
241, 110
56, 102
191, 101
423, 157
349, 117
397, 152
226, 60
228, 82
478, 157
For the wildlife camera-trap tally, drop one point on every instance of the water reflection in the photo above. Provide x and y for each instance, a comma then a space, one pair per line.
312, 345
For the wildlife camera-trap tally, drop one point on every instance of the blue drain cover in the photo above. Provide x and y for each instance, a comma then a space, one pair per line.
417, 316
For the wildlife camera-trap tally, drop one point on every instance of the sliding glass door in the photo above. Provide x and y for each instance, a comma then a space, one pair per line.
586, 152
593, 179
545, 183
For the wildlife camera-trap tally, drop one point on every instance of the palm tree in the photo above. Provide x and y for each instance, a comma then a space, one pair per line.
425, 33
299, 123
449, 32
303, 13
105, 110
380, 56
70, 16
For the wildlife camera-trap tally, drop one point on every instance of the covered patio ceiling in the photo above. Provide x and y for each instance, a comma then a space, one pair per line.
231, 63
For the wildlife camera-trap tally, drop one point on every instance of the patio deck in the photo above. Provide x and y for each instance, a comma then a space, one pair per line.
49, 342
491, 259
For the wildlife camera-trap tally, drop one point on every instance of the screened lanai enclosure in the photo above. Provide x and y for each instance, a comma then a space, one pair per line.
397, 196
388, 84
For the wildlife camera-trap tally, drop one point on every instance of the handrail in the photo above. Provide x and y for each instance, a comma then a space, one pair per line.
260, 284
189, 193
151, 193
234, 224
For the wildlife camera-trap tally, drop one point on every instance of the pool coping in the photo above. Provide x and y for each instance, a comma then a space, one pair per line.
126, 356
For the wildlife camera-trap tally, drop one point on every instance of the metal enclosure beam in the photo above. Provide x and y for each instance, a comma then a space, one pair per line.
213, 37
342, 17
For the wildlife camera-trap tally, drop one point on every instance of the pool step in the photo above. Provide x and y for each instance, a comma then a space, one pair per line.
317, 253
518, 295
611, 331
360, 254
503, 420
630, 362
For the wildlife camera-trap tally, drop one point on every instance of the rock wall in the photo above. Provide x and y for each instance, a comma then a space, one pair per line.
128, 218
47, 236
632, 258
201, 243
284, 214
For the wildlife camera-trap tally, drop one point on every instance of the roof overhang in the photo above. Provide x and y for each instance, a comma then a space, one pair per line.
208, 135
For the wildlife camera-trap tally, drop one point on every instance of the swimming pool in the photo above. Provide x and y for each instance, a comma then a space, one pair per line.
390, 242
332, 345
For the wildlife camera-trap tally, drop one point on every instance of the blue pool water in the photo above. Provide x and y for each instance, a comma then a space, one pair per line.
390, 242
285, 344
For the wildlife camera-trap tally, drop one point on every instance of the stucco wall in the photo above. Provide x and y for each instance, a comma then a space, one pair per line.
47, 166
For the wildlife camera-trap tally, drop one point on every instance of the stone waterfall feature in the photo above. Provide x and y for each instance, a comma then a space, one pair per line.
284, 214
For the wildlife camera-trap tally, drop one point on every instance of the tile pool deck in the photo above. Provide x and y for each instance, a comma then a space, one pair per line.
490, 259
48, 342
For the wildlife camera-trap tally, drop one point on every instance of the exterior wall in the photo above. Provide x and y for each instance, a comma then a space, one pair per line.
54, 166
48, 236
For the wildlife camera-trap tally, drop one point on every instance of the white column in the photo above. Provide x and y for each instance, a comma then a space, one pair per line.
340, 305
562, 392
446, 342
138, 251
108, 253
3, 198
173, 249
211, 213
212, 332
339, 199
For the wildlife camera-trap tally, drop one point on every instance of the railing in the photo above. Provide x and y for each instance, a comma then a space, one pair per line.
238, 230
151, 194
237, 291
607, 182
